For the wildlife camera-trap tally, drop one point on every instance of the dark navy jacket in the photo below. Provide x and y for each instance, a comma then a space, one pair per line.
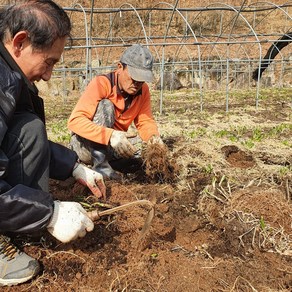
23, 209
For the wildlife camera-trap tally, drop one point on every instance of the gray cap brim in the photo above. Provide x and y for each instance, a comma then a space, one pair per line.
140, 74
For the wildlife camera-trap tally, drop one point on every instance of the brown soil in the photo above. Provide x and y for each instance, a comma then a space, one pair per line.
237, 158
195, 242
222, 210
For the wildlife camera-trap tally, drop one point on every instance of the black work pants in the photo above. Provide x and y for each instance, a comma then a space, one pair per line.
27, 148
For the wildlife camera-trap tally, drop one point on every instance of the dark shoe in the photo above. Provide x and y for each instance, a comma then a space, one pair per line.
107, 172
15, 266
127, 165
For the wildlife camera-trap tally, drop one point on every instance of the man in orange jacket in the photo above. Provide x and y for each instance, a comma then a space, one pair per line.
107, 108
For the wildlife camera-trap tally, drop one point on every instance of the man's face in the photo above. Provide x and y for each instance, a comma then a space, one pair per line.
126, 83
36, 65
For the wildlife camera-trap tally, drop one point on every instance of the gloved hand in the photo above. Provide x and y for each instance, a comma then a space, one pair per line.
121, 144
90, 178
155, 140
69, 221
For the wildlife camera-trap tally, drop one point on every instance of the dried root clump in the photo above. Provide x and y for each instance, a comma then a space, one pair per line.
158, 164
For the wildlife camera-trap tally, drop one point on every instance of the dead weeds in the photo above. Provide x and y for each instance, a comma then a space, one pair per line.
222, 216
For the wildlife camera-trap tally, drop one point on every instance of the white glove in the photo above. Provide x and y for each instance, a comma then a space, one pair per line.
90, 178
121, 144
155, 140
69, 221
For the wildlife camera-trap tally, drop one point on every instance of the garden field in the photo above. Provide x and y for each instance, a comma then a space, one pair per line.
223, 213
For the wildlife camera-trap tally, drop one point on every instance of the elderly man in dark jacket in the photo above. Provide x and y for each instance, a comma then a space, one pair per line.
33, 35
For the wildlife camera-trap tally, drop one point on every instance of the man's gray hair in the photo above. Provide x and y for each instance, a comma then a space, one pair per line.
44, 20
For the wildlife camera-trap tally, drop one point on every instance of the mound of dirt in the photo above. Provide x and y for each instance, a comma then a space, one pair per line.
270, 205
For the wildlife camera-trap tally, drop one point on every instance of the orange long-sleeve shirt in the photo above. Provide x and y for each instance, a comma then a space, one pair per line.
80, 120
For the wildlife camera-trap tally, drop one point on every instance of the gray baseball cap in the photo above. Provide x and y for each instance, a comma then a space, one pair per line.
139, 61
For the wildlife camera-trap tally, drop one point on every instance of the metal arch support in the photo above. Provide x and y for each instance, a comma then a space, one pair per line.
252, 36
88, 44
174, 9
138, 16
258, 41
280, 7
124, 44
191, 61
140, 20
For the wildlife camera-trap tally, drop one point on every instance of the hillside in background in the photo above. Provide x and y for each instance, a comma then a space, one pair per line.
151, 3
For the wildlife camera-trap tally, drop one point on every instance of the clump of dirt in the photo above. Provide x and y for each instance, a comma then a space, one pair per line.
237, 158
158, 164
270, 205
